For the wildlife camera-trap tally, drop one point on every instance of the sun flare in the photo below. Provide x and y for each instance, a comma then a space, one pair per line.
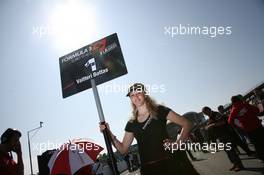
73, 23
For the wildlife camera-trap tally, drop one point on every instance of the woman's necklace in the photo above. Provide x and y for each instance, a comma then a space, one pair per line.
147, 123
143, 117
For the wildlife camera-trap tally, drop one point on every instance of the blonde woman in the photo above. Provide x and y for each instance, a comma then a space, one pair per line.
148, 126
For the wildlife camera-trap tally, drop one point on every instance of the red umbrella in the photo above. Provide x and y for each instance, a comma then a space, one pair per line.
72, 156
87, 170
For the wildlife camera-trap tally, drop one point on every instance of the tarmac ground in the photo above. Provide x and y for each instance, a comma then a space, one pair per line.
219, 164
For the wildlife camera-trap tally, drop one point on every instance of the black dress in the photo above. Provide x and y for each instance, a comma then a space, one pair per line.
154, 159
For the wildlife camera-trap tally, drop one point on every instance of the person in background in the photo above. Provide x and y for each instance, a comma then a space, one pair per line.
10, 142
248, 117
218, 125
237, 134
259, 100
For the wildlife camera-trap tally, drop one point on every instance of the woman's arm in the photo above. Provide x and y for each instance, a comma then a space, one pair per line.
183, 122
123, 146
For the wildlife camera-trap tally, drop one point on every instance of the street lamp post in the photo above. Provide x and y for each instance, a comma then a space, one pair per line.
29, 147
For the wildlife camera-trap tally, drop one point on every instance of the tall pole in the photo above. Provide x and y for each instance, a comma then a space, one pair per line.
29, 150
29, 146
105, 132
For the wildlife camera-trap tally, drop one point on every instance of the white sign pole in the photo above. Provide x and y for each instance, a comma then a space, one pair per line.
105, 132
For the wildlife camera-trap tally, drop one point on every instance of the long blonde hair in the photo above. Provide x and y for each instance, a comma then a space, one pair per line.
152, 107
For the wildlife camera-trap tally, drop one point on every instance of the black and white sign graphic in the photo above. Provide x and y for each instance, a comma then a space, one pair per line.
102, 61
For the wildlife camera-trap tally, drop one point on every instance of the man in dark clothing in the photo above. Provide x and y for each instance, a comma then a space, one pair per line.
237, 134
250, 123
10, 142
217, 124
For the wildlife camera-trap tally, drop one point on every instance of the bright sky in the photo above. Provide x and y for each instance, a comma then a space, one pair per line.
191, 70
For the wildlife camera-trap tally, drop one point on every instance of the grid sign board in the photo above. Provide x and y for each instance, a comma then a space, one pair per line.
102, 61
